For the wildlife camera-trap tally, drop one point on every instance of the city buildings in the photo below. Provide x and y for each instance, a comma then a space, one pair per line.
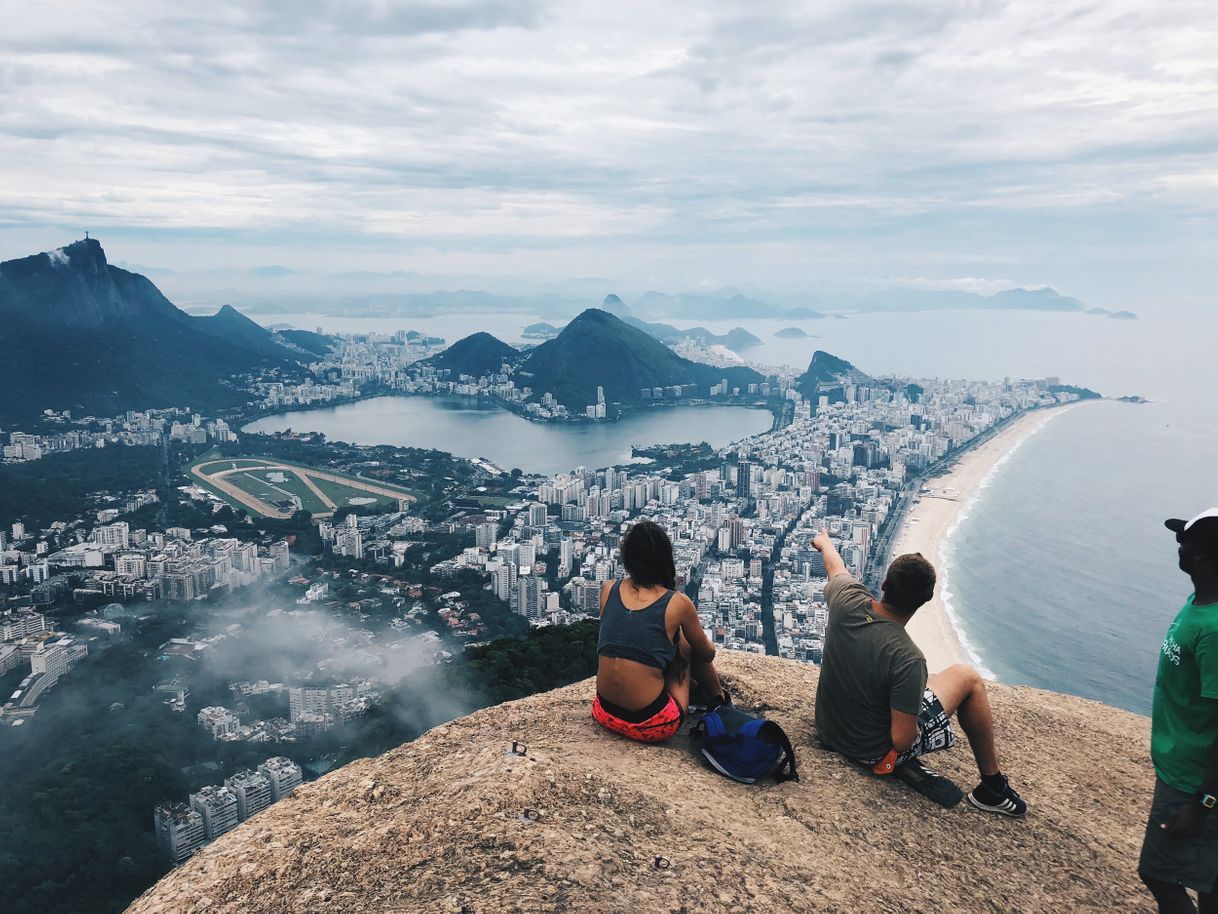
183, 828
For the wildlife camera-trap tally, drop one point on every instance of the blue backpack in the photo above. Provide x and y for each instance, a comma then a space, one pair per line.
743, 747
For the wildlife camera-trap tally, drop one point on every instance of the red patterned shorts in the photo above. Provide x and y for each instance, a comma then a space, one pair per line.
652, 724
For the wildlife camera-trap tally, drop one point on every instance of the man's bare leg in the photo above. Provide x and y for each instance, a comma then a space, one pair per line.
962, 692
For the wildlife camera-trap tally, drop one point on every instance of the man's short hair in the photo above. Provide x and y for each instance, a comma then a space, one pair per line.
910, 582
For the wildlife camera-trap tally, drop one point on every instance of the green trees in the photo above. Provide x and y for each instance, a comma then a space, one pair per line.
57, 486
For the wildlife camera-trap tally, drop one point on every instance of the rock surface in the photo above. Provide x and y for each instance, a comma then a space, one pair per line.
589, 822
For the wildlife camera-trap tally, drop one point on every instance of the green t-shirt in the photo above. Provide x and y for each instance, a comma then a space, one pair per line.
870, 667
1184, 723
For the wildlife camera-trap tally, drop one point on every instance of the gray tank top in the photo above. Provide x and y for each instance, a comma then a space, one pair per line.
636, 634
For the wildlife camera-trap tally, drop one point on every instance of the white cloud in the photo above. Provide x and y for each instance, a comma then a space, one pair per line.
842, 138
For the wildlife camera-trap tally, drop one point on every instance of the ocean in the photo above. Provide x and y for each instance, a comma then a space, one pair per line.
1060, 573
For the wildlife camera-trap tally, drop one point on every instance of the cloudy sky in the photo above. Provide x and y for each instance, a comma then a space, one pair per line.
675, 145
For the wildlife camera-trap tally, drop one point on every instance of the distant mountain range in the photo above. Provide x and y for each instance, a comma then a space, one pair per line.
81, 334
275, 290
696, 306
596, 349
905, 299
737, 338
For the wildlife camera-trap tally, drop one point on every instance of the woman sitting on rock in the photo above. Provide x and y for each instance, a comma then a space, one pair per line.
650, 637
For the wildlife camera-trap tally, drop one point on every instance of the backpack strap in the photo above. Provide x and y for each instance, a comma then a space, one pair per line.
712, 725
786, 769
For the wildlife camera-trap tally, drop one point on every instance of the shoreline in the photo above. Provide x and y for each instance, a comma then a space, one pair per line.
931, 521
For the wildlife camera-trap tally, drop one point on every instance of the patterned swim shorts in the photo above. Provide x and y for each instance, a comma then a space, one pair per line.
653, 724
934, 731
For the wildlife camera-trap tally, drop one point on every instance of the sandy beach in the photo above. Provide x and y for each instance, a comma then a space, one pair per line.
931, 517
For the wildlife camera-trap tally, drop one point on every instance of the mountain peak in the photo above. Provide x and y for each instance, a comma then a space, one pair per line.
615, 306
87, 335
86, 253
826, 369
477, 354
85, 256
584, 820
593, 317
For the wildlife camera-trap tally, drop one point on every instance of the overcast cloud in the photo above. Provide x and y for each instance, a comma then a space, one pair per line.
674, 144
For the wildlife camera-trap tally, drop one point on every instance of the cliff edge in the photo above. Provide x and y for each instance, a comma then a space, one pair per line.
589, 822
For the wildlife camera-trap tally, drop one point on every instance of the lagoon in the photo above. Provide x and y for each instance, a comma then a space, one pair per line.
471, 428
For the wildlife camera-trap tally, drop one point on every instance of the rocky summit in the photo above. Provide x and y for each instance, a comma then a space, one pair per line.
577, 819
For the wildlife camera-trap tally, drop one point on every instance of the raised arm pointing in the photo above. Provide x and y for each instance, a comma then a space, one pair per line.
833, 562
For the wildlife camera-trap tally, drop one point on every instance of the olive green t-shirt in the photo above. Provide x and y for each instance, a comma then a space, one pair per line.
1184, 722
870, 666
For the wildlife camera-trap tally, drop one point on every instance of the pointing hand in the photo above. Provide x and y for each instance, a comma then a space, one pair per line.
821, 541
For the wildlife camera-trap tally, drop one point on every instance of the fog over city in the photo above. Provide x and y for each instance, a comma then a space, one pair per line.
507, 146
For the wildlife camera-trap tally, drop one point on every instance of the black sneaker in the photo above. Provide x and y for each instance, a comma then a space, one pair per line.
1005, 802
935, 787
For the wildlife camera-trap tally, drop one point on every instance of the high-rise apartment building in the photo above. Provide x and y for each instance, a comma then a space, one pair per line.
16, 624
526, 555
283, 774
116, 535
218, 807
566, 552
252, 790
485, 536
744, 479
303, 701
529, 600
179, 831
131, 563
220, 721
503, 580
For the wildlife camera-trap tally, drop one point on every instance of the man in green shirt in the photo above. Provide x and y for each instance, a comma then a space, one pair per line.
1180, 850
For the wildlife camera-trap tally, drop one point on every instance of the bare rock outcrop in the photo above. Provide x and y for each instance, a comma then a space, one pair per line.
589, 822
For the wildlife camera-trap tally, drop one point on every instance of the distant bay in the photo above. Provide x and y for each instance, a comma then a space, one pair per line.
469, 427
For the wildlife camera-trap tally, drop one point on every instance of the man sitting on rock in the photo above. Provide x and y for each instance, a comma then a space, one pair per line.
874, 703
1180, 850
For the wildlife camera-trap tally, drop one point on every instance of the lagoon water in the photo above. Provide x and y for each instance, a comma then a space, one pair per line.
1061, 574
469, 428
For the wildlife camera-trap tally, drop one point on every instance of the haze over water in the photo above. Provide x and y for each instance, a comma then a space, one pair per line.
1061, 574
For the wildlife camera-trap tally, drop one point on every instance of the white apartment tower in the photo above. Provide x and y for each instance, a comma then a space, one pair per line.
252, 790
485, 535
116, 535
565, 556
283, 774
218, 807
179, 831
503, 581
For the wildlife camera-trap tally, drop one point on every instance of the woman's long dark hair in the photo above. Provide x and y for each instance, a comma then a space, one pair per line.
647, 554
